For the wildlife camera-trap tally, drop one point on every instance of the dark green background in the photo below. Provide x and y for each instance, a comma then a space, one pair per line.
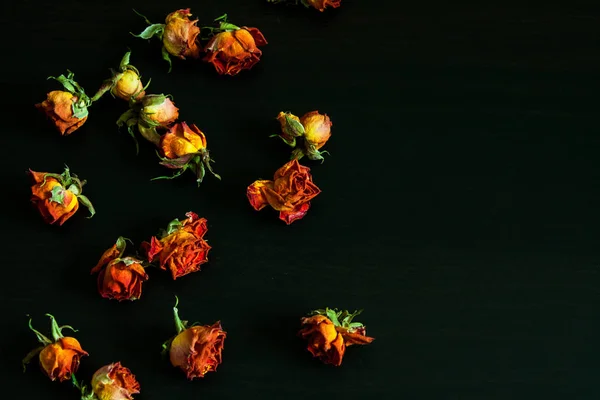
459, 205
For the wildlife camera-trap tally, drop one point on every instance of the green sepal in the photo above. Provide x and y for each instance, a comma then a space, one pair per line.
292, 127
124, 61
149, 133
227, 27
122, 244
154, 100
88, 204
290, 142
107, 85
340, 318
126, 117
180, 325
57, 330
58, 195
305, 3
143, 16
297, 154
79, 107
150, 31
40, 337
75, 189
30, 356
206, 160
165, 56
174, 226
313, 154
175, 175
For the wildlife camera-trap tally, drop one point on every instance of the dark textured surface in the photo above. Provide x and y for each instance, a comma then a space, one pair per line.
459, 205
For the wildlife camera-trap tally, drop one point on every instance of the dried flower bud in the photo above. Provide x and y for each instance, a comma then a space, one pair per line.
57, 197
196, 350
330, 331
233, 49
67, 109
59, 356
120, 278
290, 192
181, 248
114, 382
184, 147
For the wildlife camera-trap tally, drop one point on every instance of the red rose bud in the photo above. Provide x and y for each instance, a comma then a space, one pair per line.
330, 331
152, 112
59, 356
111, 382
290, 192
120, 278
181, 248
184, 147
57, 197
196, 350
178, 34
67, 109
317, 4
233, 49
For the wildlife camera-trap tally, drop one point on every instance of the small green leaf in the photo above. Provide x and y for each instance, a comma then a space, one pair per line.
333, 316
124, 61
167, 58
88, 204
150, 31
58, 195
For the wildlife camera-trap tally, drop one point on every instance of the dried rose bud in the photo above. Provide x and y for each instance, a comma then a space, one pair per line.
233, 49
184, 147
57, 197
126, 83
330, 331
317, 4
291, 128
59, 356
290, 192
111, 382
195, 350
120, 278
152, 112
67, 109
312, 127
181, 248
178, 34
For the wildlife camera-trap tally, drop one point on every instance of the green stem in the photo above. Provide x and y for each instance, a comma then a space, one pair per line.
179, 324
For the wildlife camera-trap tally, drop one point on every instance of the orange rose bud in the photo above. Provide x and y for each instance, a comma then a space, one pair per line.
179, 35
112, 382
290, 192
330, 331
181, 248
196, 350
57, 197
150, 113
59, 356
120, 278
312, 127
233, 49
67, 109
184, 147
317, 4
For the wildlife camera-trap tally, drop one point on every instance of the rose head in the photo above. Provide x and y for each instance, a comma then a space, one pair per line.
182, 140
57, 196
180, 35
158, 110
68, 108
289, 192
59, 356
291, 128
114, 382
234, 49
317, 128
181, 249
58, 107
196, 350
119, 277
322, 4
128, 85
329, 332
